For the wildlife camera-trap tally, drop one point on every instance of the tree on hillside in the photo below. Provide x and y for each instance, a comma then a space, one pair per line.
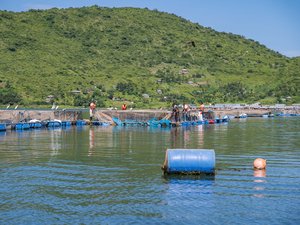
8, 95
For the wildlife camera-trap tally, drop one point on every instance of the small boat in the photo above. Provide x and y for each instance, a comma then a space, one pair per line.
243, 115
34, 123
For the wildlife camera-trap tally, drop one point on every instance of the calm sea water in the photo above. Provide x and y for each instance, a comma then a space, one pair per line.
112, 175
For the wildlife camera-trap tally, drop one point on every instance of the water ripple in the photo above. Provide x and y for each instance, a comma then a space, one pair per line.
113, 176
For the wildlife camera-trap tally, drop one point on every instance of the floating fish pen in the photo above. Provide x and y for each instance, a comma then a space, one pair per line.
192, 123
166, 122
161, 119
120, 118
152, 122
132, 122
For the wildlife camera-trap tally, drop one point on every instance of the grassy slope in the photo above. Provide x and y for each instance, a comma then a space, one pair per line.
92, 49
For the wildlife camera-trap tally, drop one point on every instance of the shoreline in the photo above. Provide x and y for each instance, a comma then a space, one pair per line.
18, 115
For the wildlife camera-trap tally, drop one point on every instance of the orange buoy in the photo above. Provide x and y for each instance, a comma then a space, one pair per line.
259, 164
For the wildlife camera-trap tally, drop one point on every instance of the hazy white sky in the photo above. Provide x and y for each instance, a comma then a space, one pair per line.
274, 23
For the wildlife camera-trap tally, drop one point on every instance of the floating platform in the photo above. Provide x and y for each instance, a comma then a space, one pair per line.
167, 123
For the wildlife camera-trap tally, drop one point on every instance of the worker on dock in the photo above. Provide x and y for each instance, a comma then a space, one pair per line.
186, 112
92, 109
124, 106
175, 113
201, 108
201, 112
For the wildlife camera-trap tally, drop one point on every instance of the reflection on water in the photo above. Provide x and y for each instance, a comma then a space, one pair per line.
259, 173
112, 175
259, 176
200, 132
92, 141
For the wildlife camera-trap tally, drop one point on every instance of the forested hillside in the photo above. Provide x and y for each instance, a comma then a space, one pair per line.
148, 58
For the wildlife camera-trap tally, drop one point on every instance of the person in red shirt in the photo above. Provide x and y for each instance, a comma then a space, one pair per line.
92, 110
124, 106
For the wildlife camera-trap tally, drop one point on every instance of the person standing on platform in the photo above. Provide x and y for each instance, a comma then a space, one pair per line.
186, 112
201, 111
92, 110
175, 113
124, 106
201, 108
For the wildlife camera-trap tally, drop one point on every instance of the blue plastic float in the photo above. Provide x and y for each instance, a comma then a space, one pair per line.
165, 123
96, 123
117, 121
189, 161
2, 127
66, 123
22, 126
54, 123
80, 123
35, 124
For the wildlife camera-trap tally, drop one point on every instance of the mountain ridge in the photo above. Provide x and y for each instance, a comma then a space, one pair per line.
142, 56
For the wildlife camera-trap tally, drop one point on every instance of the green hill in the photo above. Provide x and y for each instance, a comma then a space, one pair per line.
146, 57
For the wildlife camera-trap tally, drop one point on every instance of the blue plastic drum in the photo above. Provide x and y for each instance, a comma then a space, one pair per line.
190, 161
2, 127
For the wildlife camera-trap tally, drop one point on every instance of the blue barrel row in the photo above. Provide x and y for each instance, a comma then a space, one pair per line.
166, 123
50, 124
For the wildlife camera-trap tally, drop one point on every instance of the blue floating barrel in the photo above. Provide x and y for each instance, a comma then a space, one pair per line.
2, 127
22, 126
153, 122
80, 123
117, 121
190, 161
96, 123
66, 123
54, 123
35, 125
165, 123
